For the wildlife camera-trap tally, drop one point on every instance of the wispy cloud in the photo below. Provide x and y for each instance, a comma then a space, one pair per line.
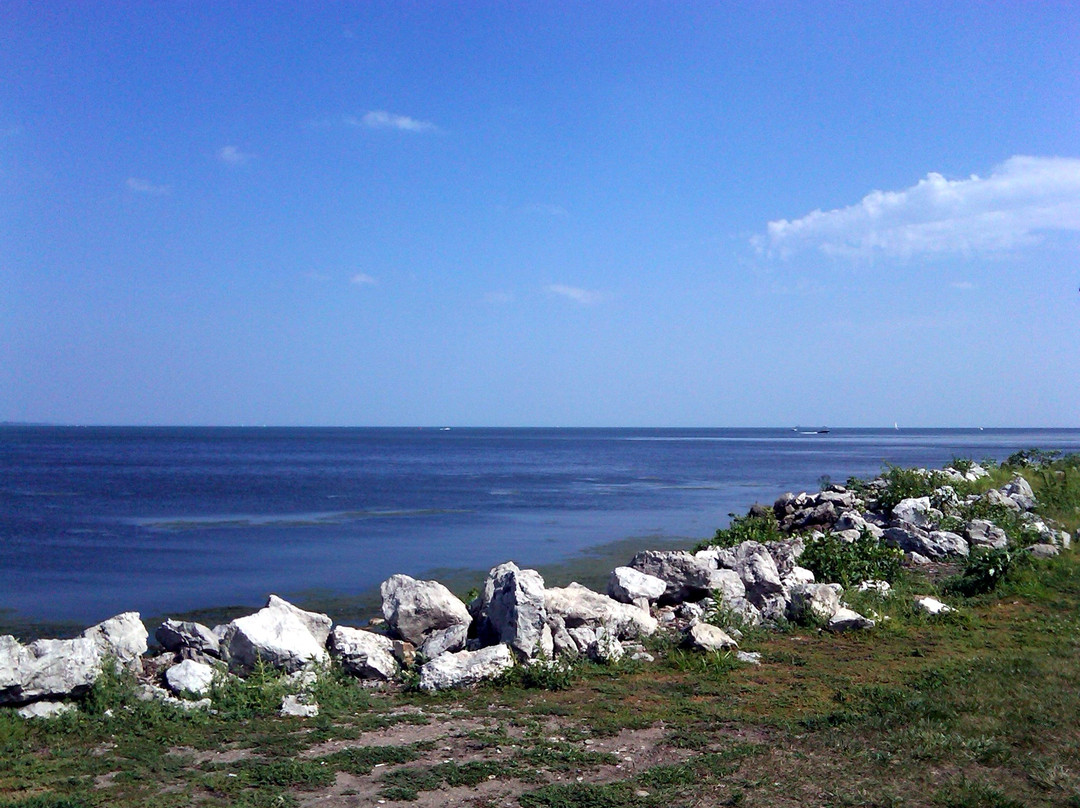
233, 156
362, 279
381, 119
1021, 200
144, 186
585, 297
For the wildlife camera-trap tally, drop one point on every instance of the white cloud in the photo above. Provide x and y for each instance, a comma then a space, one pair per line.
583, 296
381, 119
1021, 200
143, 186
231, 155
361, 279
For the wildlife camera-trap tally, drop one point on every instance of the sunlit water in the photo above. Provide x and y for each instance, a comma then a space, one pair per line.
94, 521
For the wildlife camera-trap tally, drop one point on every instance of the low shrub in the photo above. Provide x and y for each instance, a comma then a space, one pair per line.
984, 570
833, 560
745, 528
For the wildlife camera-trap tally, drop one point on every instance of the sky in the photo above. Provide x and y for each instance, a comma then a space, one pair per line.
540, 214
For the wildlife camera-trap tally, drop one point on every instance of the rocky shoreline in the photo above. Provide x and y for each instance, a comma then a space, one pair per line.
429, 639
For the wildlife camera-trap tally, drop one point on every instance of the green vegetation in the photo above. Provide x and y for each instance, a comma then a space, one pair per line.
837, 561
745, 528
977, 707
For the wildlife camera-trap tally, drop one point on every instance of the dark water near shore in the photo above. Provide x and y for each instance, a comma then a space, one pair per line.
94, 521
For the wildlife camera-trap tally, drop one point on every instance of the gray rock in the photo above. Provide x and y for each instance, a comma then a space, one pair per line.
818, 600
190, 676
728, 585
983, 533
280, 634
47, 668
1043, 550
298, 706
122, 638
841, 500
848, 620
749, 657
465, 668
710, 638
938, 544
364, 654
627, 585
580, 606
757, 569
995, 497
512, 609
1019, 491
175, 636
413, 609
685, 577
46, 709
914, 511
442, 640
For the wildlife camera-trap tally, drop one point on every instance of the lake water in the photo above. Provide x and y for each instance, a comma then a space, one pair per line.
94, 521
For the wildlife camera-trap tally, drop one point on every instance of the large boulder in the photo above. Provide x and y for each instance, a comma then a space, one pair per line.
1019, 491
820, 601
364, 654
577, 605
414, 610
47, 668
512, 610
937, 544
984, 533
465, 668
190, 676
121, 638
628, 585
757, 568
281, 635
915, 511
179, 637
685, 576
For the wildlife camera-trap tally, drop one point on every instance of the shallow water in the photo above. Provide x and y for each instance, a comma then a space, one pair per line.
94, 521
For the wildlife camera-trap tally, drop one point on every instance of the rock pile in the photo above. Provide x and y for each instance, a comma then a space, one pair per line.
517, 619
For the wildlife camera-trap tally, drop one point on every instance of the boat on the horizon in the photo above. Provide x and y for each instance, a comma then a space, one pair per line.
823, 431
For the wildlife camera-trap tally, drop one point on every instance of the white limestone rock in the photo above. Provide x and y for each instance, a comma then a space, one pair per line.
512, 609
628, 585
464, 668
932, 606
577, 605
46, 709
415, 609
175, 636
848, 620
47, 668
282, 635
122, 638
984, 533
707, 637
818, 600
685, 576
190, 676
298, 706
364, 654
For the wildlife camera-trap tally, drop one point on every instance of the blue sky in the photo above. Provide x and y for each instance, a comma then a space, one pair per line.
625, 214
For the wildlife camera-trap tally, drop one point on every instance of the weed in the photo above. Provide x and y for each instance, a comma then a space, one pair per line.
984, 570
745, 528
974, 794
832, 559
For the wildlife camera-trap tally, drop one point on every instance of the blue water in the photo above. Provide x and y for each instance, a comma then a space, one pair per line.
94, 521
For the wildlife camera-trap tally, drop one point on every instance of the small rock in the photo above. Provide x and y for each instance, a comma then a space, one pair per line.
881, 587
707, 637
1043, 550
933, 606
190, 677
298, 707
46, 709
848, 620
749, 657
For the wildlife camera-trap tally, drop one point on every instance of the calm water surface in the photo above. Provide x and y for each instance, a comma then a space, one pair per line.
94, 521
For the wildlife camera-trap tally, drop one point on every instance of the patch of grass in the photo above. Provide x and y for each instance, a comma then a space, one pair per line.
974, 794
587, 795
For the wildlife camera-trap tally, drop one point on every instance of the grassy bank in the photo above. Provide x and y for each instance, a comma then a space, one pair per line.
978, 707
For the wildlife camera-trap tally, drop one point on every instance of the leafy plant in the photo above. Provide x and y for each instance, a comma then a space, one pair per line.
985, 569
541, 674
962, 464
904, 483
762, 529
1032, 458
834, 560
